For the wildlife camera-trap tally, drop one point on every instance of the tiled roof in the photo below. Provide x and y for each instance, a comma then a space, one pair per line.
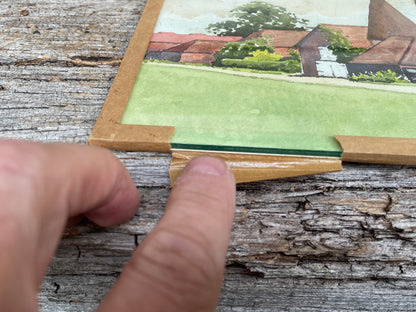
180, 38
159, 46
409, 58
390, 51
205, 46
198, 46
180, 47
281, 38
384, 21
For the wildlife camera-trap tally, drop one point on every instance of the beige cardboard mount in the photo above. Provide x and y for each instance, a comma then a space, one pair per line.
108, 132
394, 151
250, 167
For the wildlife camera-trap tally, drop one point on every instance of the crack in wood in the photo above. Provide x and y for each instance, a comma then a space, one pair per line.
76, 61
389, 205
57, 287
93, 61
243, 269
79, 252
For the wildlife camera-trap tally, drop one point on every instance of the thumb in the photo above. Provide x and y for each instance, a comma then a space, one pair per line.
180, 264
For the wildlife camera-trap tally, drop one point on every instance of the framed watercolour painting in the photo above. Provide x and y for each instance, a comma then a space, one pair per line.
277, 88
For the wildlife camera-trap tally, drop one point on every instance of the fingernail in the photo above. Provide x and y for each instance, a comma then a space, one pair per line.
207, 165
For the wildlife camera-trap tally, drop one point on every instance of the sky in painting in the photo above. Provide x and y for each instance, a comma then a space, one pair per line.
193, 16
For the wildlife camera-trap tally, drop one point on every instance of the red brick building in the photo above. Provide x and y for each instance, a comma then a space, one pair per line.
193, 48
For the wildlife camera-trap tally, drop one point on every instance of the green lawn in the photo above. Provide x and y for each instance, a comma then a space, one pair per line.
219, 111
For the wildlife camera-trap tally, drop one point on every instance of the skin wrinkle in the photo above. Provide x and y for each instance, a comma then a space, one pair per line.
173, 289
153, 281
179, 247
200, 206
190, 194
201, 238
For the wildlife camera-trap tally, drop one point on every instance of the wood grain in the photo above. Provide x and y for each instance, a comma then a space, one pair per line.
334, 242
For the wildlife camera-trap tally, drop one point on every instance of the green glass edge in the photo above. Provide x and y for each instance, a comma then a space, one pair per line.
257, 150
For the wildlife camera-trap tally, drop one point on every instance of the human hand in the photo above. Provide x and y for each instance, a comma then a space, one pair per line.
178, 267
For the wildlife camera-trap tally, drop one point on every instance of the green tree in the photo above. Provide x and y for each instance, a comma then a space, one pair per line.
338, 42
254, 16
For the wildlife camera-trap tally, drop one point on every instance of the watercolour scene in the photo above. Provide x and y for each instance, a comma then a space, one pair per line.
279, 77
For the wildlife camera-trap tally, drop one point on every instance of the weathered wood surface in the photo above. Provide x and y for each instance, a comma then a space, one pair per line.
335, 242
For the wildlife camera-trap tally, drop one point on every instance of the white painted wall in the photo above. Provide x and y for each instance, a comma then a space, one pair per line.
328, 66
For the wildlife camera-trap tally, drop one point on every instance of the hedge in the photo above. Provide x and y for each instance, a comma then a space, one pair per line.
287, 66
387, 76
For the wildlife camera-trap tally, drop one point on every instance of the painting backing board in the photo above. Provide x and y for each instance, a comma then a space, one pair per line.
110, 133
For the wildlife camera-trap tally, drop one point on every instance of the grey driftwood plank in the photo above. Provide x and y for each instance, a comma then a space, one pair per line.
333, 242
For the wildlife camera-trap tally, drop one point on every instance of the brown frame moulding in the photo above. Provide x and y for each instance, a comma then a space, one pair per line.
108, 132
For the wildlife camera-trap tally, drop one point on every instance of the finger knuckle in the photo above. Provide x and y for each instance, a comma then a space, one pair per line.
19, 163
